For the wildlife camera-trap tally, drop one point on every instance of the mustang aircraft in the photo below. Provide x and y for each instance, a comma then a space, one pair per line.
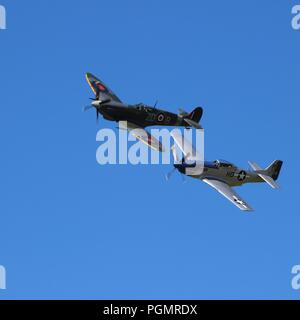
221, 175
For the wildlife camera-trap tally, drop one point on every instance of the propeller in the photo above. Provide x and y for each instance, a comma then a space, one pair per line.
97, 116
176, 160
96, 103
169, 174
183, 177
174, 153
86, 108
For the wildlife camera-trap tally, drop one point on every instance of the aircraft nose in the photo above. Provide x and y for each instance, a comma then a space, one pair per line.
96, 103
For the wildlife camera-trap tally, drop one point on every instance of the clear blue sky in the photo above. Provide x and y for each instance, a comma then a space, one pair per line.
70, 228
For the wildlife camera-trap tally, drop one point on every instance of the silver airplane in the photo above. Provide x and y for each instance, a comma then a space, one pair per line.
221, 175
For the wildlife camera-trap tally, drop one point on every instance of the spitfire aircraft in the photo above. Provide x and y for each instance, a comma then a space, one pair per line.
138, 116
221, 175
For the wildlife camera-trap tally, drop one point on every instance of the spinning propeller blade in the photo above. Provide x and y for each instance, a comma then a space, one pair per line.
169, 174
94, 105
183, 177
174, 153
97, 116
176, 160
86, 108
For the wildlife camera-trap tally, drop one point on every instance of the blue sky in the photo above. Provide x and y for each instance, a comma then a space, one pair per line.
70, 228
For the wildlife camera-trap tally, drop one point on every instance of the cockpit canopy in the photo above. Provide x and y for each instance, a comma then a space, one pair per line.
224, 164
142, 106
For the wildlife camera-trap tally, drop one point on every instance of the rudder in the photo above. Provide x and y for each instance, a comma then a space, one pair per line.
274, 168
196, 114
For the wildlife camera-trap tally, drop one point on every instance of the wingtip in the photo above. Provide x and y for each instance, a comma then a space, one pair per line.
89, 75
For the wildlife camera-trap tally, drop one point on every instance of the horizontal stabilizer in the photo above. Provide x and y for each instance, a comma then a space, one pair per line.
263, 174
192, 123
193, 118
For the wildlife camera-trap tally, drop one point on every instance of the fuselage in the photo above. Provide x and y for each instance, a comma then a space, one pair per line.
219, 170
140, 114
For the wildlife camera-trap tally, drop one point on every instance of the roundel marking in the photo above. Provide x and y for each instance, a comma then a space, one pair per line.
242, 175
160, 117
101, 87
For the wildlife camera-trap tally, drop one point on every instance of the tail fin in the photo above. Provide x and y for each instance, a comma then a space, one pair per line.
274, 168
270, 174
196, 114
193, 118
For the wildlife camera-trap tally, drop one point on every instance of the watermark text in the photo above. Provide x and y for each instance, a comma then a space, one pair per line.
2, 278
139, 146
296, 278
296, 17
2, 18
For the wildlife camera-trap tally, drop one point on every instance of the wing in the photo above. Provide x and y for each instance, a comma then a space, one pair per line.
143, 135
101, 91
228, 193
190, 153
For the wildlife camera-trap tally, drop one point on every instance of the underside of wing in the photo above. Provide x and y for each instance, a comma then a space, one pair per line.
101, 91
143, 135
228, 193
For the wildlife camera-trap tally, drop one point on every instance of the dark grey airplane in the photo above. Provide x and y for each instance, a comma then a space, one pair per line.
138, 116
220, 174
